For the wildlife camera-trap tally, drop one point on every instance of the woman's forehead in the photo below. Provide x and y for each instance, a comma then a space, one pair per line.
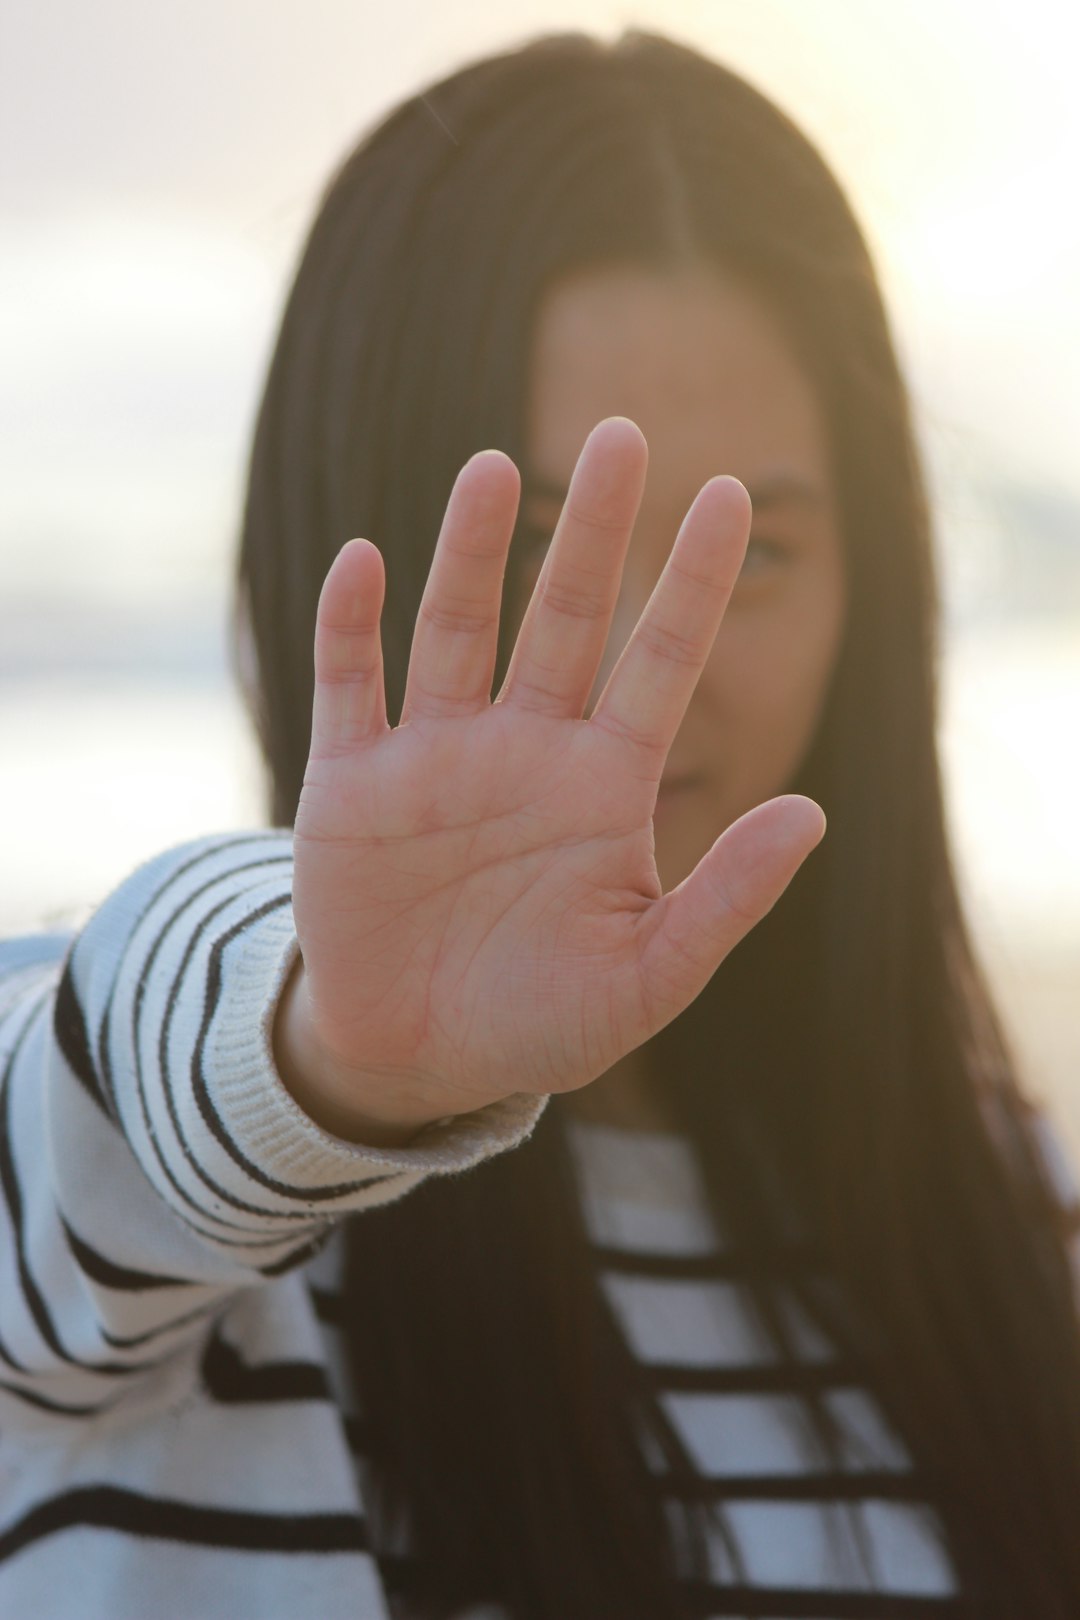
699, 365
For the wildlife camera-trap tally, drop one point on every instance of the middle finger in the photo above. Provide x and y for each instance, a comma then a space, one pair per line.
562, 637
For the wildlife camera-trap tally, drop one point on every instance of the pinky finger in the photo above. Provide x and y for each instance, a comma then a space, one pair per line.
350, 699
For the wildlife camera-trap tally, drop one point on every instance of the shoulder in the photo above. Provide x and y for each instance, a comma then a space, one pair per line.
32, 950
29, 961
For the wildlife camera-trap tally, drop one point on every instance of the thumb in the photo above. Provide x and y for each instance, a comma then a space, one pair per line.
731, 888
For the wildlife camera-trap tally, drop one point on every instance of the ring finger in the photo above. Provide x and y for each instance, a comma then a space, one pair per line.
648, 691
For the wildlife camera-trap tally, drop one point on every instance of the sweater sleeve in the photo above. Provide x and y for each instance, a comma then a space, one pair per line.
152, 1162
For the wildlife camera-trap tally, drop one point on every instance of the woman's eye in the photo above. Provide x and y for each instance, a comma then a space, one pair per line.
762, 555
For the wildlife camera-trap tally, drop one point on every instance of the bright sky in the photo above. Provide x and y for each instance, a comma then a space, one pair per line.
159, 164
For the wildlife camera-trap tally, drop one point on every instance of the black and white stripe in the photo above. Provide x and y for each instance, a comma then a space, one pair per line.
167, 1420
175, 1409
815, 1535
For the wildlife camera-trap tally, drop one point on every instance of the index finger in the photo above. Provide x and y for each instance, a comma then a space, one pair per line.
648, 691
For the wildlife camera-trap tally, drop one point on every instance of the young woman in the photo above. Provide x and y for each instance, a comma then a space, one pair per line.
756, 1296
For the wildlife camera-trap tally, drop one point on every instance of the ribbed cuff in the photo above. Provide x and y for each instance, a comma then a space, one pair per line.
268, 1125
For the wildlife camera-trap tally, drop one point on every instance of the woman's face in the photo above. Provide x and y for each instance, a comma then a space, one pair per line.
702, 369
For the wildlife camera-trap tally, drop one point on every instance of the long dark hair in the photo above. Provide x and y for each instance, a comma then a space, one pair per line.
848, 1052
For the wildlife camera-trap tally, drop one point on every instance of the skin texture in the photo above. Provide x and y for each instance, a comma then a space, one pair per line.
701, 367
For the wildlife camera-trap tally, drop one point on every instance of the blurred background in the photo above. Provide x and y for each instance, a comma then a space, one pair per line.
158, 168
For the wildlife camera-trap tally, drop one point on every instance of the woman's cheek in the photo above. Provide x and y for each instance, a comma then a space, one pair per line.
768, 682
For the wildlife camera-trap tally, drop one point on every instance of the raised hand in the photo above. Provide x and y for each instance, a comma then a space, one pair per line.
475, 893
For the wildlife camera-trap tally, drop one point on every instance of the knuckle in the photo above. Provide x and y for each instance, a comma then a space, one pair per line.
572, 604
457, 617
698, 582
627, 732
680, 947
539, 696
722, 889
477, 548
346, 655
432, 701
674, 646
355, 674
597, 522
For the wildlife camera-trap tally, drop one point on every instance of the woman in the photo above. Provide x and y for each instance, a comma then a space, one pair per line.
842, 1381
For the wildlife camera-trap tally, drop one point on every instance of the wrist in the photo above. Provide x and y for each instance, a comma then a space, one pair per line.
335, 1097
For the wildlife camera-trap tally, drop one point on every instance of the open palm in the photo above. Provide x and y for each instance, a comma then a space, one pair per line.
475, 893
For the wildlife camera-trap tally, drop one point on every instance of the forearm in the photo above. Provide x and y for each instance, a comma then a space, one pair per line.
156, 1162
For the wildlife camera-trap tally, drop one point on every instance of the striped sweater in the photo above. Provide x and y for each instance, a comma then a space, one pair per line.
175, 1435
